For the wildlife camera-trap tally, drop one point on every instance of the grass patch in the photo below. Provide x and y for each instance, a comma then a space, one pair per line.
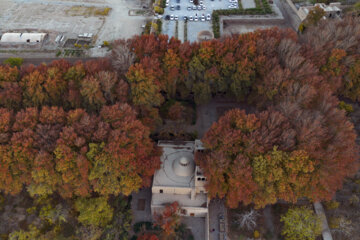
87, 11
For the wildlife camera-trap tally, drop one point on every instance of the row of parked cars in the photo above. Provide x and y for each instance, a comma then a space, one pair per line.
195, 18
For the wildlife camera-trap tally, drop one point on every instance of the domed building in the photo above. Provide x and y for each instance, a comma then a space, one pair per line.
180, 180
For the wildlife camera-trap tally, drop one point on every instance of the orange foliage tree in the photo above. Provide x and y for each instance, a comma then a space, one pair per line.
168, 219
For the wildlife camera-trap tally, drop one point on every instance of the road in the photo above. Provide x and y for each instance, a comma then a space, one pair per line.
38, 61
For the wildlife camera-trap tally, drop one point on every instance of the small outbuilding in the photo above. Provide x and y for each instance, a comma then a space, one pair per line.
23, 37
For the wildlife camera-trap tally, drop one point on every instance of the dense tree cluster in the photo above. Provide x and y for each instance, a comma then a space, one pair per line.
69, 129
75, 153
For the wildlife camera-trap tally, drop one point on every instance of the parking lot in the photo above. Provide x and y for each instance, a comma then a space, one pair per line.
196, 23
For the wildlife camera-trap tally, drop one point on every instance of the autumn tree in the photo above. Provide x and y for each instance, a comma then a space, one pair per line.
259, 158
148, 236
10, 90
144, 86
168, 219
94, 211
301, 223
127, 159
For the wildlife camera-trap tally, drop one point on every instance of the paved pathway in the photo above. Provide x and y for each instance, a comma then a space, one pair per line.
216, 208
269, 220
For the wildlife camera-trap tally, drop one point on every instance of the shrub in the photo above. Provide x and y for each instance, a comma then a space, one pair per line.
159, 24
256, 234
106, 43
347, 107
159, 10
14, 61
301, 223
58, 53
103, 12
330, 205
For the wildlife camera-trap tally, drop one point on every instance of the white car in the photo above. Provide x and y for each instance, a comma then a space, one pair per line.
196, 19
171, 17
208, 17
191, 1
191, 18
167, 4
201, 3
202, 18
176, 17
203, 7
199, 7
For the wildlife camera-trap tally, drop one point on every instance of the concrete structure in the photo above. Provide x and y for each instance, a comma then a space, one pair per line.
23, 37
331, 10
180, 180
319, 210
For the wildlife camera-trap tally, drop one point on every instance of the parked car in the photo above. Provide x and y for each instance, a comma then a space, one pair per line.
172, 8
176, 17
202, 18
177, 1
196, 19
185, 18
167, 17
194, 7
201, 3
189, 8
171, 17
191, 1
191, 18
203, 7
166, 4
178, 7
208, 17
199, 7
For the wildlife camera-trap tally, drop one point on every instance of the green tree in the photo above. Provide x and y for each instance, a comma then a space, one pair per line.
301, 223
14, 61
94, 211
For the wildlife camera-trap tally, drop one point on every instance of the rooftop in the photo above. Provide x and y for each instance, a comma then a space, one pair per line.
200, 199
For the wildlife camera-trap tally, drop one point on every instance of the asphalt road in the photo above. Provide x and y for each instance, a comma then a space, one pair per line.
38, 61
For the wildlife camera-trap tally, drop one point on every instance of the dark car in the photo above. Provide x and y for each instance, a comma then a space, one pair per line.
178, 7
167, 17
177, 1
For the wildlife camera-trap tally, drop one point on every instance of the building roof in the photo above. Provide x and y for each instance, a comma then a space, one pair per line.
22, 37
177, 167
200, 199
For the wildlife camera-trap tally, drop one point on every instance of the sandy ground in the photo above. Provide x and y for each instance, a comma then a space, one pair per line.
53, 16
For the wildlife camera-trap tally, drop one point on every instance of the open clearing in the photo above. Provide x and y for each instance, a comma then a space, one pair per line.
106, 19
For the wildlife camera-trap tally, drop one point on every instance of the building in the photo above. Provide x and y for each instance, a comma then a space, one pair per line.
180, 180
23, 37
331, 10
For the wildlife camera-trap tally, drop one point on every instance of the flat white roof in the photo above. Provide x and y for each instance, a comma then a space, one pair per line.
22, 37
184, 200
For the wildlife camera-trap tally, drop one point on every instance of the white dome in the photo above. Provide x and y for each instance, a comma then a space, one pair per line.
183, 166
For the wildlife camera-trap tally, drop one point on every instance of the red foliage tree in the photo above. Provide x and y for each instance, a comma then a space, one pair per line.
168, 219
